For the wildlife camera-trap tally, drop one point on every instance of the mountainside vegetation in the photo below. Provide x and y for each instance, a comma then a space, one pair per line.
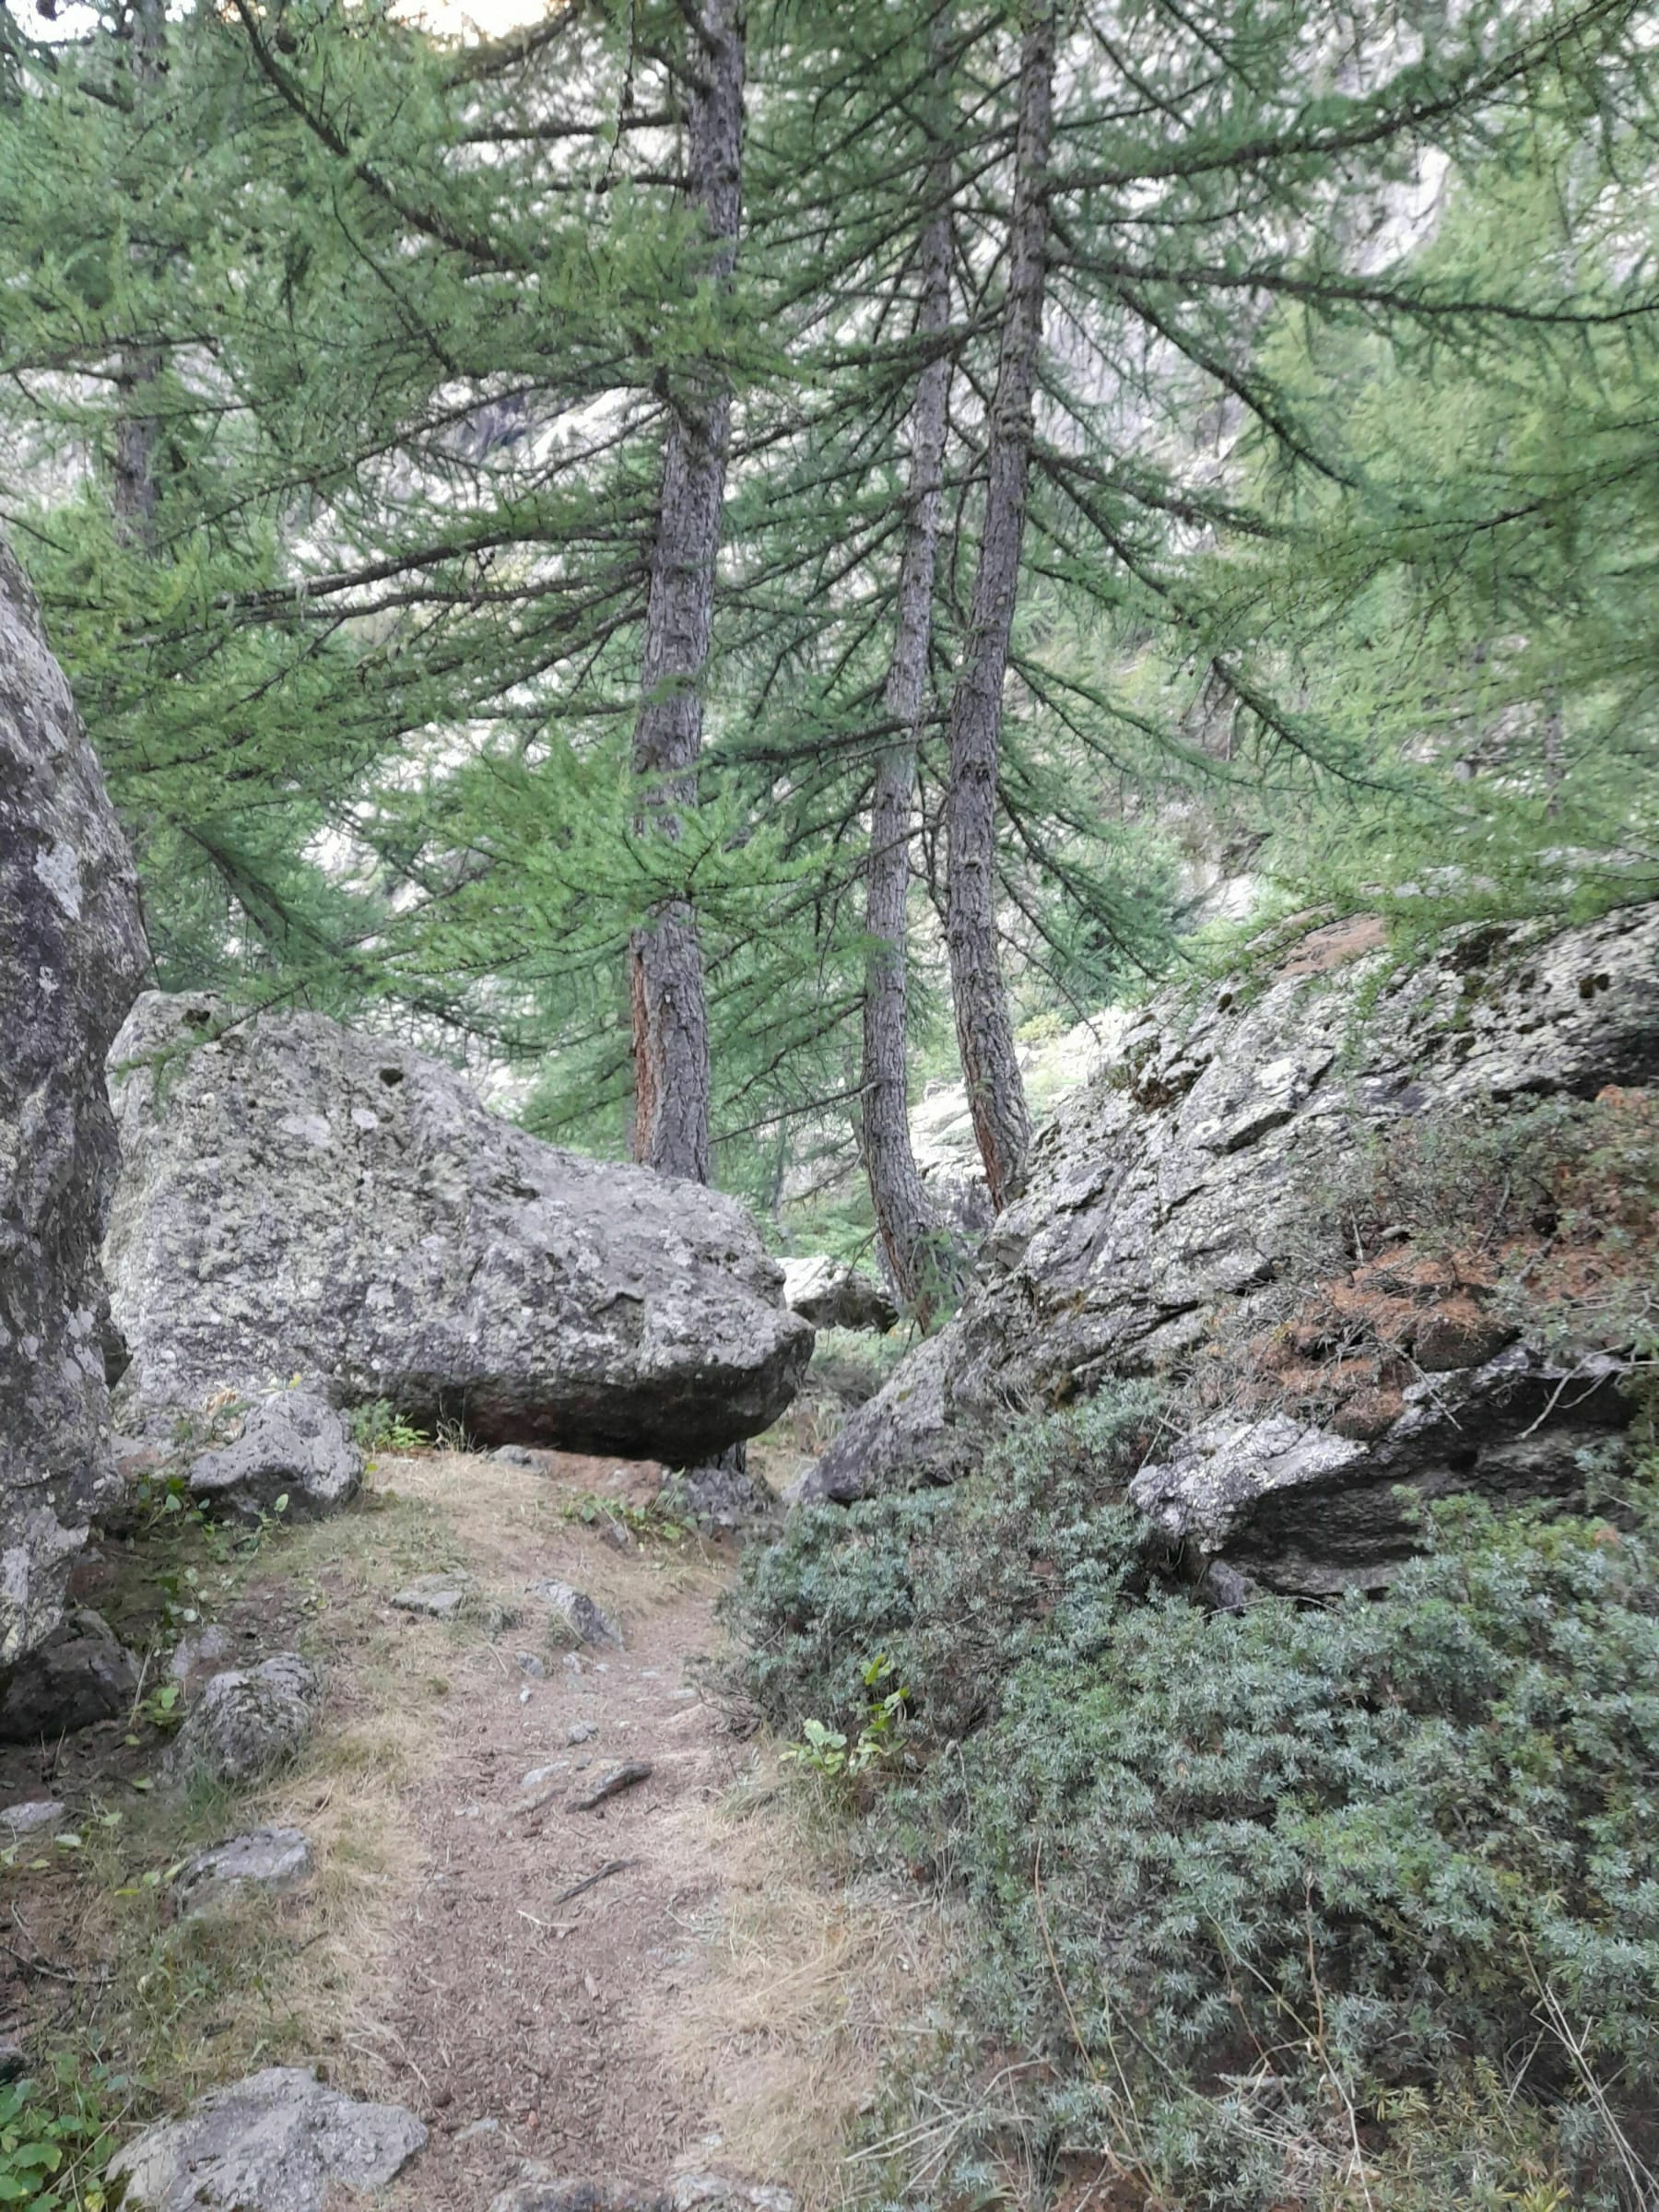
761, 485
730, 566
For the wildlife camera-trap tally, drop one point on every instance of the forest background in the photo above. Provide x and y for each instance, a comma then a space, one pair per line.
727, 559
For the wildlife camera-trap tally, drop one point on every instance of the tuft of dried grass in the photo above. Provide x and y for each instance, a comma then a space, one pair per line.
814, 1981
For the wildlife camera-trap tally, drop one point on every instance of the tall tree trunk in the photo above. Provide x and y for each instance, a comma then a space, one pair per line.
910, 1236
134, 492
1002, 1120
670, 1012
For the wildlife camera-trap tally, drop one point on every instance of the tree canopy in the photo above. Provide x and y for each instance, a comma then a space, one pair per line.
893, 498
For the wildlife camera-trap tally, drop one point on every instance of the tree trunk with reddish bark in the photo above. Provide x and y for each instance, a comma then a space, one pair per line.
670, 1010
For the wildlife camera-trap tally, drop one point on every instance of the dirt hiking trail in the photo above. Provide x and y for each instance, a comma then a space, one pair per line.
505, 2004
685, 1977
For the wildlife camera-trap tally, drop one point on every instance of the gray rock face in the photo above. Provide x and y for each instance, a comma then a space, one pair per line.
82, 1674
277, 2142
1291, 1506
294, 1446
248, 1719
1173, 1192
581, 1618
297, 1199
903, 1439
71, 956
831, 1295
267, 1860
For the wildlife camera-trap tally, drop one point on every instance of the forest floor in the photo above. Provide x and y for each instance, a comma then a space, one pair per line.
724, 1997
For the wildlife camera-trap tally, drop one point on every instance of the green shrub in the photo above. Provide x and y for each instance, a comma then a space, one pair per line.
1352, 1906
811, 1611
1257, 1875
378, 1427
951, 1583
57, 2137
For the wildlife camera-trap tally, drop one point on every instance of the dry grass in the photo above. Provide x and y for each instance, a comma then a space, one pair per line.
815, 1984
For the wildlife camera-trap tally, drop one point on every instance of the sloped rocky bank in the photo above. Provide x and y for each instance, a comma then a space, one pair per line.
1215, 1209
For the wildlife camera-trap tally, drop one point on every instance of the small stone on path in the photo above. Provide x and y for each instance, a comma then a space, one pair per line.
248, 1719
293, 1448
612, 1781
40, 1812
273, 2142
582, 1732
272, 1859
437, 1596
579, 1615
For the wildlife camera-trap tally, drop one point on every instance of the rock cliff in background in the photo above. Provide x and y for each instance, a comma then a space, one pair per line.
71, 956
831, 1295
297, 1199
1168, 1204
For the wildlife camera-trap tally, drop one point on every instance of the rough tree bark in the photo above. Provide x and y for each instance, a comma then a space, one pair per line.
670, 1012
984, 1026
903, 1218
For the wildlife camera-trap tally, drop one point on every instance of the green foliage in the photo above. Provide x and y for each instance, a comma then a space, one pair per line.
826, 1752
1296, 1902
650, 1523
57, 2137
378, 1427
950, 1583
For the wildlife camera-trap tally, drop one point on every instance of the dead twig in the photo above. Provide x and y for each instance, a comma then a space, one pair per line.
592, 1881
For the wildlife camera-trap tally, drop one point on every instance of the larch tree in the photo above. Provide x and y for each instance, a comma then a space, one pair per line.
670, 1014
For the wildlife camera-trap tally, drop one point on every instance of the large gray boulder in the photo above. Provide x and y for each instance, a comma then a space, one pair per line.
71, 956
299, 1200
1168, 1201
280, 2141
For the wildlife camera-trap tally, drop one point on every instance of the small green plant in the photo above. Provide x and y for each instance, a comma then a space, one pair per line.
163, 1708
56, 2137
646, 1523
826, 1751
378, 1427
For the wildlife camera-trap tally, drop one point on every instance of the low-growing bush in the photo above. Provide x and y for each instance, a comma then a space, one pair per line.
1354, 1905
1256, 1874
952, 1583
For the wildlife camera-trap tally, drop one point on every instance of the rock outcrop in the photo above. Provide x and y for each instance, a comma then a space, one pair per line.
1295, 1506
1170, 1204
293, 1453
280, 2141
71, 958
831, 1295
299, 1200
903, 1438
